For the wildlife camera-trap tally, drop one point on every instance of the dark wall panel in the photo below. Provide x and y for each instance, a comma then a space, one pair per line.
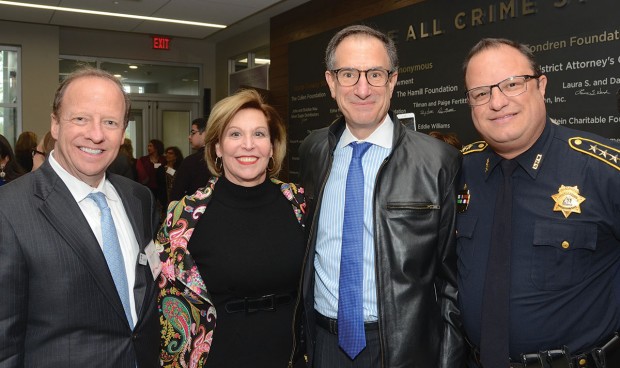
577, 43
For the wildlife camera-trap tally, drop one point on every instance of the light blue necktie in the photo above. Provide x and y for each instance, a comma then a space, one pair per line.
351, 334
112, 252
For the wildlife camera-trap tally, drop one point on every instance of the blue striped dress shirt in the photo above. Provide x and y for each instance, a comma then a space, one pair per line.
331, 219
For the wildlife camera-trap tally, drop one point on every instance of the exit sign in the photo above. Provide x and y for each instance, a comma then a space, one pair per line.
161, 43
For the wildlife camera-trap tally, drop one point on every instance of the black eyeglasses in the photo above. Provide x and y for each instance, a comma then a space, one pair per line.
510, 87
35, 152
348, 77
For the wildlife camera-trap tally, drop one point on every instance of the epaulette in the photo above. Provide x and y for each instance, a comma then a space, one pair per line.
474, 147
600, 151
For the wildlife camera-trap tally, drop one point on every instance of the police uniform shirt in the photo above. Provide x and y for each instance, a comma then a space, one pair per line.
565, 279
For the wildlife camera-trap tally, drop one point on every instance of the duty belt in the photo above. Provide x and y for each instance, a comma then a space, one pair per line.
607, 356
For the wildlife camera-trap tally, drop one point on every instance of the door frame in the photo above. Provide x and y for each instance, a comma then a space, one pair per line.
152, 117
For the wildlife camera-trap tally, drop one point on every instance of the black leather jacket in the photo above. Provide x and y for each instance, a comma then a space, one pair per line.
414, 227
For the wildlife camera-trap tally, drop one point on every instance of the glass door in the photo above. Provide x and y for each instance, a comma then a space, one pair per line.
176, 122
169, 121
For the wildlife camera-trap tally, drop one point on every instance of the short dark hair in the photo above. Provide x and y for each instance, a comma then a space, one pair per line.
200, 123
358, 29
487, 43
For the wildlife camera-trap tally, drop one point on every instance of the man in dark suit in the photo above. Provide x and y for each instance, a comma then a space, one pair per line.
74, 244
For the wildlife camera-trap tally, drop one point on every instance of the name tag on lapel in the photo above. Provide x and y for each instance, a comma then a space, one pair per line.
152, 257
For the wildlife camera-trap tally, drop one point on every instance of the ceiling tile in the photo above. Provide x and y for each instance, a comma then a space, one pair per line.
225, 12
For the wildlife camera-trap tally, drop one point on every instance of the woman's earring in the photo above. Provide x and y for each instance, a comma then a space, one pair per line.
271, 162
218, 163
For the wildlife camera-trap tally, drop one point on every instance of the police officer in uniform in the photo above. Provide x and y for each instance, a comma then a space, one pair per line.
561, 237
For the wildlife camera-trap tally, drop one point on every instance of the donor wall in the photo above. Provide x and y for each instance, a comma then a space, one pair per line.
577, 43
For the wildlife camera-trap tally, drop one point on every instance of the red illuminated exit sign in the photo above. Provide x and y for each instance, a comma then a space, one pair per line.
161, 43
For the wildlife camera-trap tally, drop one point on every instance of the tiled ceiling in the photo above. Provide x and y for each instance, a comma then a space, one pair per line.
224, 12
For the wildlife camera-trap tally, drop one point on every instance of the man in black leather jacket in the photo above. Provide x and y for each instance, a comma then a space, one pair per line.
409, 285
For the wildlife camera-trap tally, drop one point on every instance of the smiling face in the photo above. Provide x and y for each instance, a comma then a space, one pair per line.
89, 128
364, 107
245, 148
510, 125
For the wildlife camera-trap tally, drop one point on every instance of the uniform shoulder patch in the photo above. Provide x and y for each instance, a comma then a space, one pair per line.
474, 147
598, 150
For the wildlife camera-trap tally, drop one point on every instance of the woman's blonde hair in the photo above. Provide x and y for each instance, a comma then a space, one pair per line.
224, 111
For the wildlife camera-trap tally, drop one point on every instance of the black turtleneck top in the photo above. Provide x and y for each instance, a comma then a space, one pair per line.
249, 243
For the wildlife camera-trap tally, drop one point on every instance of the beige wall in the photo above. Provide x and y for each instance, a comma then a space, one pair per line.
133, 46
39, 70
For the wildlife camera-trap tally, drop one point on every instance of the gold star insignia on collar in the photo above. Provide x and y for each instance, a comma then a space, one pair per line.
567, 200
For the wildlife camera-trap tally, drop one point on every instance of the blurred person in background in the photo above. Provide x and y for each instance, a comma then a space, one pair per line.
9, 168
193, 172
26, 142
449, 138
43, 150
147, 165
127, 150
166, 174
233, 250
125, 163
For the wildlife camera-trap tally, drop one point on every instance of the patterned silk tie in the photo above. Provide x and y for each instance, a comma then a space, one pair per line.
351, 334
112, 252
495, 331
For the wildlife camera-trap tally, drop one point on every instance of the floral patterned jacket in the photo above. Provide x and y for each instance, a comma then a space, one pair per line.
186, 313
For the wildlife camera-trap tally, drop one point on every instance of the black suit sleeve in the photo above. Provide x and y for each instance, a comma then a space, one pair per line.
14, 307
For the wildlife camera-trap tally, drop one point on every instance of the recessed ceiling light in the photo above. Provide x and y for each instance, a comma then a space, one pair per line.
133, 67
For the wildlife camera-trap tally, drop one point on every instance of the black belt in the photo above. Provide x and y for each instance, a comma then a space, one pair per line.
607, 356
331, 325
263, 303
